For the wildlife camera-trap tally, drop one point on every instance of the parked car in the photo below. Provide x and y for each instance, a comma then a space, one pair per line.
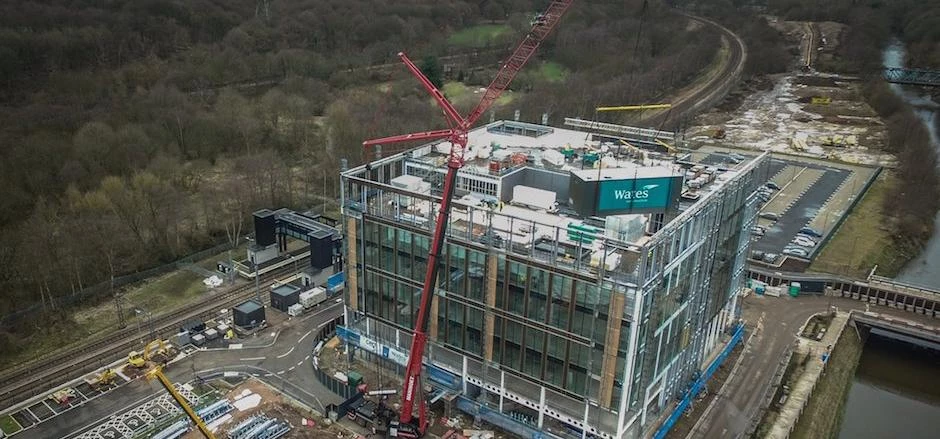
770, 215
770, 258
798, 252
757, 231
804, 242
809, 237
757, 254
772, 185
811, 232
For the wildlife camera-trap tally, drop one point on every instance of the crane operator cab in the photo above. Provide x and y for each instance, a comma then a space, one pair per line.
402, 429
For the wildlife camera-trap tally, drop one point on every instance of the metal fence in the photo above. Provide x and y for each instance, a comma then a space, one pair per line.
88, 293
332, 383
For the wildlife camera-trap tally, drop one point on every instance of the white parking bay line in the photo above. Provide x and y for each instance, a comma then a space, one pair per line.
253, 359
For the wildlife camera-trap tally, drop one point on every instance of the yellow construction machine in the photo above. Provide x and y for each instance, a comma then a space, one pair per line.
102, 380
157, 372
153, 350
635, 107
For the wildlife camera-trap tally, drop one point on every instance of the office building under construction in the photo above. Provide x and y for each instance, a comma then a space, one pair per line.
581, 288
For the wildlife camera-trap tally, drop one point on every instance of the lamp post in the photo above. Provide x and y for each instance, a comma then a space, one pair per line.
138, 311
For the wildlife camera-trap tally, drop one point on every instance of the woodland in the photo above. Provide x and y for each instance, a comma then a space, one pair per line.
136, 132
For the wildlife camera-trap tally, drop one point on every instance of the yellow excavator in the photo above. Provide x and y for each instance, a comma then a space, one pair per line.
152, 350
157, 372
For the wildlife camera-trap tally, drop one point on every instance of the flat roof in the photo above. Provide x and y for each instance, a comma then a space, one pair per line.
249, 306
542, 145
626, 172
285, 289
312, 226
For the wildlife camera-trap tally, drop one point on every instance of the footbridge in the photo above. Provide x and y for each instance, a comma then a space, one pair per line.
897, 328
875, 289
911, 76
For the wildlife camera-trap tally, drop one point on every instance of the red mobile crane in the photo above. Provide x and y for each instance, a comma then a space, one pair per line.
457, 135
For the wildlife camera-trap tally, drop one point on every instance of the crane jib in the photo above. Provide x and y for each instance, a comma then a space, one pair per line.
458, 138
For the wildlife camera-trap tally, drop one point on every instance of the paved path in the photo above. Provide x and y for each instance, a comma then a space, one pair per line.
287, 358
803, 389
781, 319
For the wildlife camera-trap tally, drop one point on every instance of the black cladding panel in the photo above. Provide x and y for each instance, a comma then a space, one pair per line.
248, 314
265, 233
321, 250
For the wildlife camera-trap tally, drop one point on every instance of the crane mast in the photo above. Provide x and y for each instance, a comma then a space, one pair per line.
457, 136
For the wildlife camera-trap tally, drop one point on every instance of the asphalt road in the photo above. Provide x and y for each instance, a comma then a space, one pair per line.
774, 323
288, 358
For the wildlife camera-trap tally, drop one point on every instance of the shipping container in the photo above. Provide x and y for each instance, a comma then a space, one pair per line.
313, 297
537, 198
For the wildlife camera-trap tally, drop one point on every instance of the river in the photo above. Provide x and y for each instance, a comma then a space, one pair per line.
895, 392
925, 269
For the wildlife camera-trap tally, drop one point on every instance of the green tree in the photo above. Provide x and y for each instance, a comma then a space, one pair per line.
431, 68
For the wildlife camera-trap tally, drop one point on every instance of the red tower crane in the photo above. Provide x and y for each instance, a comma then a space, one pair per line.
456, 134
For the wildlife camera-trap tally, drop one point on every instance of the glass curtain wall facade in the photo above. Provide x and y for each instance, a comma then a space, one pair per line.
603, 350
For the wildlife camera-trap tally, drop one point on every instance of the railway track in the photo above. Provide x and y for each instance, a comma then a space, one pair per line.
41, 375
710, 92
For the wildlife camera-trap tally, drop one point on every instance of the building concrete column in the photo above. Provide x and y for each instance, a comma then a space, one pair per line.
465, 374
541, 407
502, 386
352, 277
489, 318
611, 345
432, 319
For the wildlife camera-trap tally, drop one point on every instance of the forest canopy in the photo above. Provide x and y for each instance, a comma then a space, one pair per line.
135, 132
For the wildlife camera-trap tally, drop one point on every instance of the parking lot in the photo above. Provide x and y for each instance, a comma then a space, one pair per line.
813, 193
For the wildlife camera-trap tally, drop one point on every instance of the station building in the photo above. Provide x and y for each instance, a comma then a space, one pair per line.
583, 286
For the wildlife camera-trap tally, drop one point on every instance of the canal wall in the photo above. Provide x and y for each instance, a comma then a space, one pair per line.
814, 406
821, 415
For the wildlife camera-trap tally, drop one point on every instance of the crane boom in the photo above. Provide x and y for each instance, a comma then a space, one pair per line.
457, 136
635, 107
157, 373
541, 28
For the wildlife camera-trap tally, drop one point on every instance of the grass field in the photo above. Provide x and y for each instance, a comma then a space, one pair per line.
464, 96
552, 71
822, 417
8, 426
157, 295
862, 241
478, 36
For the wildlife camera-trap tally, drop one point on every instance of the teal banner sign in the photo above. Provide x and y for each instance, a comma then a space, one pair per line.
642, 193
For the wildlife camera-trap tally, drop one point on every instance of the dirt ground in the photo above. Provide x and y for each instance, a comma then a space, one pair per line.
684, 425
812, 114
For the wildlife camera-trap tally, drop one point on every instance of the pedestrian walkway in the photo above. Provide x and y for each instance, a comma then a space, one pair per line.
803, 389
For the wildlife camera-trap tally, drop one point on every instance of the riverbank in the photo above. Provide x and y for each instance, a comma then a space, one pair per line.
822, 415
